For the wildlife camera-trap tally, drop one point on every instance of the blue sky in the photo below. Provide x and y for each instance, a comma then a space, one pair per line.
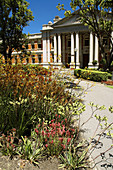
43, 12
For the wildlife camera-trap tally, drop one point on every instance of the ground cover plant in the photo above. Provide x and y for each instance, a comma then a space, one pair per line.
40, 118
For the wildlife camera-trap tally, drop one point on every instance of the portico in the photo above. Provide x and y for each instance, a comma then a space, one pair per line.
74, 49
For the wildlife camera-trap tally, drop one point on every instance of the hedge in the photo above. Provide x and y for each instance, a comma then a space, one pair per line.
91, 75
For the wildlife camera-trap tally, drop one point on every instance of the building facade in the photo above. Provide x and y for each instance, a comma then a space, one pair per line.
64, 42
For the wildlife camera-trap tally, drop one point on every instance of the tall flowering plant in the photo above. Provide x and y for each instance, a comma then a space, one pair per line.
56, 136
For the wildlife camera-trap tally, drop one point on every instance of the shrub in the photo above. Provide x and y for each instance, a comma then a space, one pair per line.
94, 62
56, 136
91, 75
22, 95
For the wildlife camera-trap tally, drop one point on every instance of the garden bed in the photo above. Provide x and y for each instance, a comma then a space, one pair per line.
110, 82
16, 164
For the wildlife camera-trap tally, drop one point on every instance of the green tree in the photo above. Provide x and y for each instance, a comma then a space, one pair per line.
98, 16
14, 16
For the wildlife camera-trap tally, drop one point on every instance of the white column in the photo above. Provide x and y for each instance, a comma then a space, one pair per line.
91, 50
59, 48
72, 64
63, 41
96, 49
77, 50
48, 48
55, 49
44, 49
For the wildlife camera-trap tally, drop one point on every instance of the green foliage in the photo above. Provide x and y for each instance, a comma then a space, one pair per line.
14, 16
91, 75
29, 149
75, 157
94, 62
41, 104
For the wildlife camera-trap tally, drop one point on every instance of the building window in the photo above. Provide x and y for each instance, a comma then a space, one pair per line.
69, 43
33, 58
26, 46
52, 43
105, 41
39, 44
33, 46
39, 58
86, 42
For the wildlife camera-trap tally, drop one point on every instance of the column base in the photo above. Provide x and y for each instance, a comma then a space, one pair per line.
54, 65
72, 65
90, 65
77, 65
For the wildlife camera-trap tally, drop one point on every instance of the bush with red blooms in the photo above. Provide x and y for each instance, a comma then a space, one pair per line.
55, 137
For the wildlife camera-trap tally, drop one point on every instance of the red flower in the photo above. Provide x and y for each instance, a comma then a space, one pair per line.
51, 142
73, 130
66, 120
61, 139
63, 146
48, 135
56, 115
52, 120
62, 122
42, 133
58, 124
68, 133
39, 125
37, 132
68, 140
46, 145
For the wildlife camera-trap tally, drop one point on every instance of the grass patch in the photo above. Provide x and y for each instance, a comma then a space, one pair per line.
110, 87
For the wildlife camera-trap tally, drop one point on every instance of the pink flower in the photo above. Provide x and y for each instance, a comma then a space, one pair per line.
68, 133
39, 125
58, 124
46, 145
63, 146
73, 130
48, 135
53, 125
63, 127
36, 131
52, 120
56, 115
68, 140
45, 140
51, 142
66, 120
59, 116
61, 139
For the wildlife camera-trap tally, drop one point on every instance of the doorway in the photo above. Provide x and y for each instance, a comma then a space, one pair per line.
85, 60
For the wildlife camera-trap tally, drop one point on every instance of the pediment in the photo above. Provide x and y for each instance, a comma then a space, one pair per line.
67, 21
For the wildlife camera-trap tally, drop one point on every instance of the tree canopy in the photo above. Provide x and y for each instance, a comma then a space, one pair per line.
98, 16
14, 16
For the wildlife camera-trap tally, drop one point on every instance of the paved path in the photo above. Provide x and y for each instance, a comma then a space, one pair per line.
101, 95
